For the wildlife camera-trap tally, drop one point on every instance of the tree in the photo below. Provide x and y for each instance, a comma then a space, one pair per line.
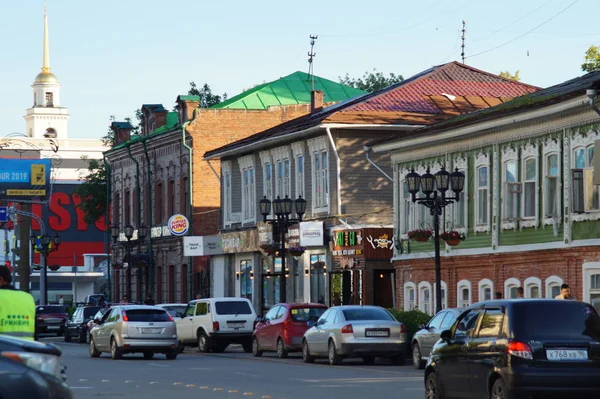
207, 98
508, 75
371, 81
591, 62
93, 191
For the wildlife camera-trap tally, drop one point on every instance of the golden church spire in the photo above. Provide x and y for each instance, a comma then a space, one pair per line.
46, 62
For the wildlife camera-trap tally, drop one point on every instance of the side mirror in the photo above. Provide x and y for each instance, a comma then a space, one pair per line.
423, 327
97, 321
179, 314
446, 335
310, 323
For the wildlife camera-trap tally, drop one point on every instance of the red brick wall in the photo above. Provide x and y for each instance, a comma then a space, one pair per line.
564, 263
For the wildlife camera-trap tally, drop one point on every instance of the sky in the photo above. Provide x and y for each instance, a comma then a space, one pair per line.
112, 56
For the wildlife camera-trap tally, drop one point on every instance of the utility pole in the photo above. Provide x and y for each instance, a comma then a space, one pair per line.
464, 31
311, 56
24, 248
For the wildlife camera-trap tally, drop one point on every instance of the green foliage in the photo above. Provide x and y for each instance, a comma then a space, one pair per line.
207, 98
591, 62
411, 319
508, 75
93, 191
371, 81
109, 138
70, 310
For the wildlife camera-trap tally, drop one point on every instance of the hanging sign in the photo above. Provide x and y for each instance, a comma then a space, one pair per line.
178, 225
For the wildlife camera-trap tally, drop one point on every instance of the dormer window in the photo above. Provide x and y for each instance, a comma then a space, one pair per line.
49, 99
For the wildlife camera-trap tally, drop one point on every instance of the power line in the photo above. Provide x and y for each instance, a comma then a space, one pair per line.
528, 32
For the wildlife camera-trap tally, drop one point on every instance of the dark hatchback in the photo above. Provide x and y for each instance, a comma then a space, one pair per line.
77, 325
50, 319
509, 349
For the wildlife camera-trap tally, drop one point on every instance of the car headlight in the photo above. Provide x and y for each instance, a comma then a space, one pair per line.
45, 363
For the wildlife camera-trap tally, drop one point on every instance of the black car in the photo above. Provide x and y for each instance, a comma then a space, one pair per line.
526, 348
50, 319
30, 369
77, 325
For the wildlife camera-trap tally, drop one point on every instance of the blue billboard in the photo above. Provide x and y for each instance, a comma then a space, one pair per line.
24, 178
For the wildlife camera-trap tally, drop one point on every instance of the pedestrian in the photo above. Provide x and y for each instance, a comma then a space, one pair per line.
125, 299
498, 295
61, 300
520, 293
565, 293
149, 301
198, 296
17, 309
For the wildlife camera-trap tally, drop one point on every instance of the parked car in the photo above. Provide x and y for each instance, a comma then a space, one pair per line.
429, 334
92, 323
95, 300
173, 308
355, 331
77, 325
215, 323
31, 370
283, 327
134, 329
518, 348
50, 319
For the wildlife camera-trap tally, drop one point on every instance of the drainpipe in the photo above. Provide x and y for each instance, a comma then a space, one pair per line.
592, 94
367, 152
190, 209
149, 207
338, 171
139, 215
106, 222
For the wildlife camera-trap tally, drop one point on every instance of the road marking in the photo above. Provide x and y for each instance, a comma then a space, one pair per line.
190, 385
218, 389
203, 387
266, 397
82, 380
153, 382
233, 391
248, 394
158, 365
363, 380
248, 374
201, 368
105, 380
81, 387
177, 383
128, 381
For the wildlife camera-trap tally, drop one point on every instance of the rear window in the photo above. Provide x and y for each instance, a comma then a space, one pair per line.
90, 312
232, 307
306, 314
147, 315
173, 310
367, 314
50, 309
557, 319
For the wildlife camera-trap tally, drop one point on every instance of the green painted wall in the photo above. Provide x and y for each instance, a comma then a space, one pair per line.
530, 236
586, 230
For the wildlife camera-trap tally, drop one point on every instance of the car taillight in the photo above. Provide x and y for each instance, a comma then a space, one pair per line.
347, 329
520, 349
124, 315
170, 317
215, 326
403, 329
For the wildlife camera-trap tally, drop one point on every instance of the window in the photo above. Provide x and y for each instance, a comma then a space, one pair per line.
201, 308
464, 293
232, 308
407, 209
467, 323
448, 321
49, 99
116, 209
436, 322
486, 289
529, 188
459, 209
533, 287
226, 172
246, 279
410, 300
246, 165
183, 192
553, 284
318, 270
551, 194
482, 200
159, 204
510, 288
513, 189
585, 193
283, 178
269, 181
127, 207
300, 176
171, 197
491, 323
320, 177
595, 290
444, 296
425, 297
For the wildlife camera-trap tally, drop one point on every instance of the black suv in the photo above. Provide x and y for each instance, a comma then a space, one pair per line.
526, 348
77, 325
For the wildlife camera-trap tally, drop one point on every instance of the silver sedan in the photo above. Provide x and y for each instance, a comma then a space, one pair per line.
355, 331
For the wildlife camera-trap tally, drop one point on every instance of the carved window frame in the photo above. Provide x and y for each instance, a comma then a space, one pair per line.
482, 160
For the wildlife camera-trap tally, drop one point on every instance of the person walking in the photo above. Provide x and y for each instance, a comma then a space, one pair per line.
565, 293
149, 301
17, 309
61, 300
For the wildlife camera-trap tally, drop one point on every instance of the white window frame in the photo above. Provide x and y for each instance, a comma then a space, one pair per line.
408, 286
406, 205
482, 161
589, 269
460, 302
511, 283
584, 142
554, 218
482, 285
509, 155
530, 153
532, 282
552, 281
461, 165
444, 295
226, 173
422, 287
300, 176
320, 178
281, 158
267, 161
248, 191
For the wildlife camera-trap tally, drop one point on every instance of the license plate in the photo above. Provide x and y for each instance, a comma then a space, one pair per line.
53, 327
235, 325
151, 330
377, 333
559, 355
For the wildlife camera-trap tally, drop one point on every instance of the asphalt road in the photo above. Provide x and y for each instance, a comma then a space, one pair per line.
233, 374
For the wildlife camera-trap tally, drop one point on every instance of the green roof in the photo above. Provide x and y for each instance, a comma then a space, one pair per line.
289, 90
188, 97
171, 122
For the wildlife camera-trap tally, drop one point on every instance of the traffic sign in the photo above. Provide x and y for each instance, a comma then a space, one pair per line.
3, 214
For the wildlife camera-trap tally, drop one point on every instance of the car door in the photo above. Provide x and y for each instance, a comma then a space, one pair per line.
431, 334
267, 331
453, 368
102, 337
314, 336
201, 319
184, 325
484, 349
72, 323
327, 328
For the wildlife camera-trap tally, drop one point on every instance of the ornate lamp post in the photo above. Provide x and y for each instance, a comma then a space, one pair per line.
282, 208
434, 189
44, 249
142, 233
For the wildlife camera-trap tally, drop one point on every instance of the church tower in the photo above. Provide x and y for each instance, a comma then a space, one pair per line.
46, 118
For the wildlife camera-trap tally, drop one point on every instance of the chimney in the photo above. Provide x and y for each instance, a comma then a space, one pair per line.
187, 105
122, 132
316, 101
160, 118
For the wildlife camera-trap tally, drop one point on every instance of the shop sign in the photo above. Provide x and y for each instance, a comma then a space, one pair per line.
202, 246
348, 238
347, 252
160, 231
265, 233
293, 236
178, 225
240, 241
311, 234
370, 243
381, 242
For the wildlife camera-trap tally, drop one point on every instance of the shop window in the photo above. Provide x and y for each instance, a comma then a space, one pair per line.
246, 274
318, 272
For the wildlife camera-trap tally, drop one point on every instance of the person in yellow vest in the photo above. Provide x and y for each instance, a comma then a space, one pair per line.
17, 309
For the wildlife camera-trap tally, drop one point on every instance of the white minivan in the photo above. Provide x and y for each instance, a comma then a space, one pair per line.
214, 323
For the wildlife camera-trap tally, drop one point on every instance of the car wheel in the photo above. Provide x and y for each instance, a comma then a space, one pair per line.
334, 358
500, 391
115, 353
247, 346
171, 355
306, 356
255, 348
418, 361
148, 355
203, 343
93, 351
281, 352
67, 337
432, 387
368, 360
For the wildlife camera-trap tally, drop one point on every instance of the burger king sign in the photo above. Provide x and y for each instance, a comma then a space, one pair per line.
178, 225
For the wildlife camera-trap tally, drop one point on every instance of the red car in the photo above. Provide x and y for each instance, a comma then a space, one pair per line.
50, 319
284, 325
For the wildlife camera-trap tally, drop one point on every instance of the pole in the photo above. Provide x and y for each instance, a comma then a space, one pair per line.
14, 250
107, 216
44, 278
283, 289
75, 279
25, 248
128, 274
438, 268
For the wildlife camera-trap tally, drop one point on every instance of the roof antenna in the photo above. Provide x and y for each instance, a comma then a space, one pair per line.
464, 31
311, 55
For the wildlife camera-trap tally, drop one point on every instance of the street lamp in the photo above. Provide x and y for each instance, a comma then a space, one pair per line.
128, 230
44, 249
434, 188
282, 208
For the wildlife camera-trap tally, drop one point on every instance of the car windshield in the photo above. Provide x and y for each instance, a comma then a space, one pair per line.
367, 314
557, 319
88, 313
173, 310
232, 307
306, 314
50, 309
147, 315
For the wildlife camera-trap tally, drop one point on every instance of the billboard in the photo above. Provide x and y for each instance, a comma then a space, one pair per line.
24, 178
